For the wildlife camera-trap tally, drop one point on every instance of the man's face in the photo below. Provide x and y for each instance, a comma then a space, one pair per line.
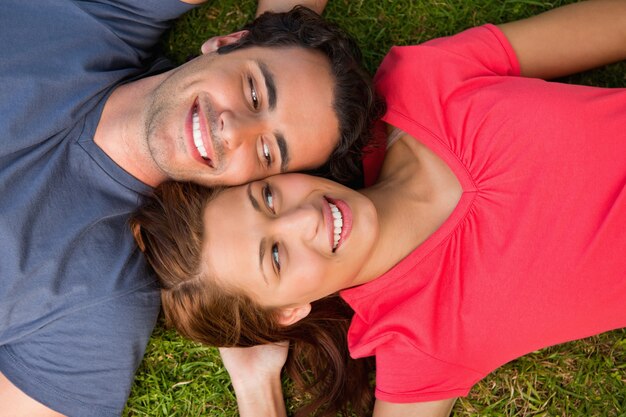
229, 119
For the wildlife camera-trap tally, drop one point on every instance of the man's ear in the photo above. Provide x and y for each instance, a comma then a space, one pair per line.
215, 42
290, 315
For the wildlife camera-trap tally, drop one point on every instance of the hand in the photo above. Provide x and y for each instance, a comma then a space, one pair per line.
286, 5
255, 373
261, 362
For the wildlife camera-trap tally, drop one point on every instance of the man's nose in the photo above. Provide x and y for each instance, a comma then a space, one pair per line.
238, 128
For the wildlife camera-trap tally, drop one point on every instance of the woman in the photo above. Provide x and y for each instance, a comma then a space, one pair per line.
495, 227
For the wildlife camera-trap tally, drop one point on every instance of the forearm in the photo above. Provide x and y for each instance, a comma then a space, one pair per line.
286, 5
570, 39
260, 398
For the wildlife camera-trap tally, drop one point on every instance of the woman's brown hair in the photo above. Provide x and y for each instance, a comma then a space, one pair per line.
170, 231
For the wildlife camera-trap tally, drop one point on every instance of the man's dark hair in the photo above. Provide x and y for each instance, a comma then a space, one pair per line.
355, 102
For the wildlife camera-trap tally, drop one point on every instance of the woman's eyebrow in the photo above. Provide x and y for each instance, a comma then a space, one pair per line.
255, 204
262, 246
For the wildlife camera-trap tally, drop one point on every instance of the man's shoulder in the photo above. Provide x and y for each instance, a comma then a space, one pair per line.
59, 72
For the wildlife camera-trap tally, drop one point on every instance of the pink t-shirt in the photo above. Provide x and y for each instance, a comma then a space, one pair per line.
535, 252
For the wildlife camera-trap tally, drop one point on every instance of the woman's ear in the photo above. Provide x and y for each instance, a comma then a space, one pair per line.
290, 315
216, 42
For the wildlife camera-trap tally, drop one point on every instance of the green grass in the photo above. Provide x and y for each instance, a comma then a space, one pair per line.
583, 378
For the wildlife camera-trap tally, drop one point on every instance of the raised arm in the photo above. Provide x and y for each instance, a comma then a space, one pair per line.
286, 5
569, 39
440, 408
255, 374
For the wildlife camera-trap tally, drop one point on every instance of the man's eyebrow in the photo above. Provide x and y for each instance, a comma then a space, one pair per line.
253, 201
284, 151
270, 85
261, 256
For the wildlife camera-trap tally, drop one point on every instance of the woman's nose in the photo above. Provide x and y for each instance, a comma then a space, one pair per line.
302, 223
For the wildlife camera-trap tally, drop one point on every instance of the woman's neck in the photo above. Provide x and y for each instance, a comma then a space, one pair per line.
415, 194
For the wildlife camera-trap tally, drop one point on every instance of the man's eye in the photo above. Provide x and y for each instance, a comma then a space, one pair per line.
253, 95
268, 197
276, 257
267, 155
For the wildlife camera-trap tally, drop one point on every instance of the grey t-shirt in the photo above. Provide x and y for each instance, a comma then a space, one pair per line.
77, 302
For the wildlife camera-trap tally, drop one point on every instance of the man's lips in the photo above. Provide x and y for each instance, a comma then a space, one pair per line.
201, 144
338, 218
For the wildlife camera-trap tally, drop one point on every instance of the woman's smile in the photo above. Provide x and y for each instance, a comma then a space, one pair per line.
339, 221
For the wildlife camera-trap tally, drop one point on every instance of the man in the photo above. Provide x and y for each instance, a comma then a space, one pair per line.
90, 122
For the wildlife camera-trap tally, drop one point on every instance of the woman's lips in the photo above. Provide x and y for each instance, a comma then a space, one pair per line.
339, 222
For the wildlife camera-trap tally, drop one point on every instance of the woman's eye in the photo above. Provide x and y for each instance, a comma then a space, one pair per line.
267, 155
276, 257
268, 197
253, 95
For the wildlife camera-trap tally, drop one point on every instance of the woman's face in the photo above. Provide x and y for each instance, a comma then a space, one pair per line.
288, 240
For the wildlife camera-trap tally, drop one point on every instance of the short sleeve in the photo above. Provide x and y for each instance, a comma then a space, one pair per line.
137, 23
63, 70
423, 84
404, 374
484, 46
83, 363
475, 52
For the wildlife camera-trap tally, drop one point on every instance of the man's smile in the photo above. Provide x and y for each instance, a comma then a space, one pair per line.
200, 134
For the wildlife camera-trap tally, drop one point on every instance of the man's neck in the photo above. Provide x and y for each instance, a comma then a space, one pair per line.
121, 130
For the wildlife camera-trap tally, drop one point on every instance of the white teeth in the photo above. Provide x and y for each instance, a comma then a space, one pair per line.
197, 136
337, 224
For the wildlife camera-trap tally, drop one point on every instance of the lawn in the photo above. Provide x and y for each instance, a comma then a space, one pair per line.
583, 378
